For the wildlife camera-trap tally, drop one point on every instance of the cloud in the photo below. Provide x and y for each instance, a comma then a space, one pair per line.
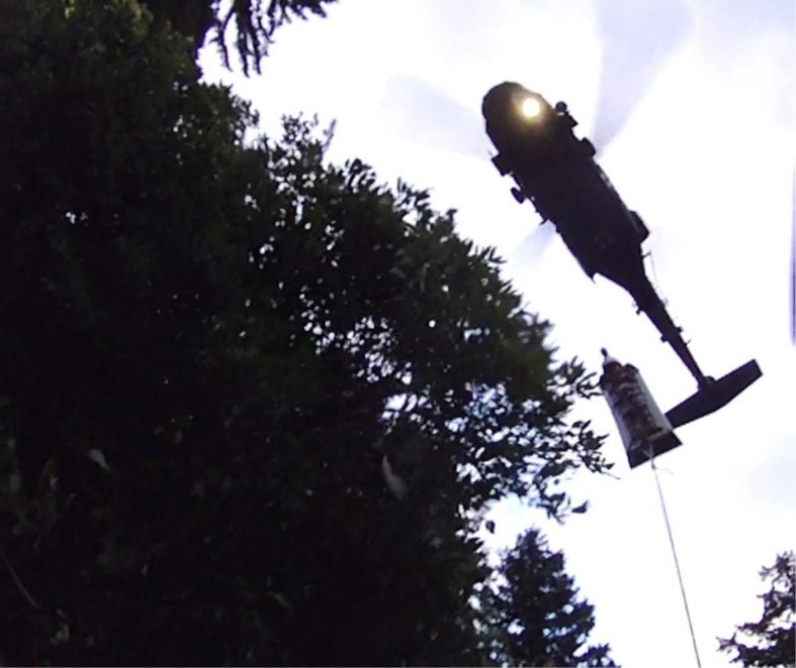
726, 30
451, 24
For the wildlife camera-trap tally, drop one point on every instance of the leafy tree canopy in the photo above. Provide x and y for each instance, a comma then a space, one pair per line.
253, 22
209, 348
772, 640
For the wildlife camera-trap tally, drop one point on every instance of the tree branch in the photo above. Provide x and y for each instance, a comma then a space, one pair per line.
18, 582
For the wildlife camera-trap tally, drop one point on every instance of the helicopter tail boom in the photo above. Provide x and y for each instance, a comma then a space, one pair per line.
650, 303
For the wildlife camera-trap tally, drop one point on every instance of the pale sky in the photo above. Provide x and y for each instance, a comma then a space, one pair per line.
706, 157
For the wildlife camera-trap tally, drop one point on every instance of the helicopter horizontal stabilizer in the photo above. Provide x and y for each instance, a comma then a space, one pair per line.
715, 395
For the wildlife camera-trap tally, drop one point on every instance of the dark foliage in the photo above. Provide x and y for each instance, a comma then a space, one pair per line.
772, 640
537, 617
252, 22
208, 347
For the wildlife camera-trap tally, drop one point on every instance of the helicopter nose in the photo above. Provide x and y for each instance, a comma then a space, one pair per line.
512, 108
502, 97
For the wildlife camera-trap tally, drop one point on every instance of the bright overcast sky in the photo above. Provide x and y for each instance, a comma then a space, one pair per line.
696, 98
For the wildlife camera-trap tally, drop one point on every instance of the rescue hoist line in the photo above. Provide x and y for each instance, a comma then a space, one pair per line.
674, 554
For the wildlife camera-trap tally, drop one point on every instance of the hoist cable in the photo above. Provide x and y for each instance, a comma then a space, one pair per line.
676, 562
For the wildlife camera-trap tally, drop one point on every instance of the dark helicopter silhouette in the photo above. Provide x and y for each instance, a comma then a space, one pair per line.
557, 173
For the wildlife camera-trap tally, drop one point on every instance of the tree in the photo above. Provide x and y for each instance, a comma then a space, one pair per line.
209, 347
772, 640
537, 618
254, 23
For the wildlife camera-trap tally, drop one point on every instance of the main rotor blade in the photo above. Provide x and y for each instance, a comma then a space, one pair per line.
415, 107
533, 246
637, 38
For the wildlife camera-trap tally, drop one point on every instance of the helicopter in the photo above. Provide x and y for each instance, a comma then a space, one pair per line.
557, 172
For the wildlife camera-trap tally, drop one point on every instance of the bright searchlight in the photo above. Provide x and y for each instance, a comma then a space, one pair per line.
531, 107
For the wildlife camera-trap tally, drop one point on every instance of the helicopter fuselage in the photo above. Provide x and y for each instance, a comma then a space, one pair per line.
557, 173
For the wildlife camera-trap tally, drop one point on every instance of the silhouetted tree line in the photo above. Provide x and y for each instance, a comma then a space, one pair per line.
209, 348
771, 641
